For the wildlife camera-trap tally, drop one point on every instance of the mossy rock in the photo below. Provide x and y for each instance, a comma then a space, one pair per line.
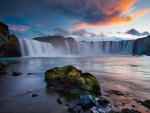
70, 78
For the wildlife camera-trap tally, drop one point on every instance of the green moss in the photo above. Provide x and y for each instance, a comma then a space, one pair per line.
68, 77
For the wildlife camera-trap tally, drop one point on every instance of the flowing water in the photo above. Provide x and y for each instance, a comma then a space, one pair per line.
128, 74
34, 48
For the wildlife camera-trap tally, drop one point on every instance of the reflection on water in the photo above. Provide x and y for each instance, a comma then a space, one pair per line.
131, 75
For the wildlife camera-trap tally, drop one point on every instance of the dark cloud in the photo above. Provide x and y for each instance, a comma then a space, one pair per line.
87, 12
135, 32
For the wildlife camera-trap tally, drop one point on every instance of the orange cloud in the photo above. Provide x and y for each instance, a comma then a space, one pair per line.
109, 21
123, 6
140, 13
124, 9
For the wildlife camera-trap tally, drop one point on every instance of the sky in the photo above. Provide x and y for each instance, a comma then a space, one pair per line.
81, 19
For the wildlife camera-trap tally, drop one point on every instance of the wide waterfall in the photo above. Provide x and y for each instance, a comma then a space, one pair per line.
31, 47
34, 48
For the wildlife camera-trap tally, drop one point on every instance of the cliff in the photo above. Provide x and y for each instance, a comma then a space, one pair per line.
9, 46
66, 44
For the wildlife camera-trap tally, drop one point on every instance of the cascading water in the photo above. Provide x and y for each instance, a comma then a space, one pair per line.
31, 47
34, 48
105, 47
68, 48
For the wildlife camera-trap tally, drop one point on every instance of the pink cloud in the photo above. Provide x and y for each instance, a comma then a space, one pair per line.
19, 28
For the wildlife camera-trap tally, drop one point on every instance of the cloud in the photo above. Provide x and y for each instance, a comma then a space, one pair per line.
117, 15
87, 13
79, 34
61, 32
135, 32
39, 33
21, 28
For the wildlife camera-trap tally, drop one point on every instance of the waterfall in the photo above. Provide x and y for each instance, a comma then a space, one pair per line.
31, 47
35, 48
129, 47
105, 47
68, 48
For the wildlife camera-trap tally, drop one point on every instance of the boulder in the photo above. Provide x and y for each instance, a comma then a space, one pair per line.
70, 78
146, 103
16, 73
34, 95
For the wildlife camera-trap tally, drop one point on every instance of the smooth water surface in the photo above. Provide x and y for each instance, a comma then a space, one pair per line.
128, 74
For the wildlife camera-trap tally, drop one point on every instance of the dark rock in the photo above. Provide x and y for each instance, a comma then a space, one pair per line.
16, 73
29, 73
70, 78
119, 93
103, 101
59, 101
126, 111
34, 95
75, 109
146, 103
143, 44
87, 102
130, 111
3, 67
9, 45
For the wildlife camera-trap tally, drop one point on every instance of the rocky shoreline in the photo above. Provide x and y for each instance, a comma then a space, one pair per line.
84, 102
86, 97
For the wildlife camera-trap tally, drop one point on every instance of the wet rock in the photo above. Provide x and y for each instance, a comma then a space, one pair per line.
34, 95
75, 109
87, 102
96, 110
119, 93
3, 67
59, 101
70, 78
16, 73
130, 111
29, 73
146, 103
103, 101
125, 111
